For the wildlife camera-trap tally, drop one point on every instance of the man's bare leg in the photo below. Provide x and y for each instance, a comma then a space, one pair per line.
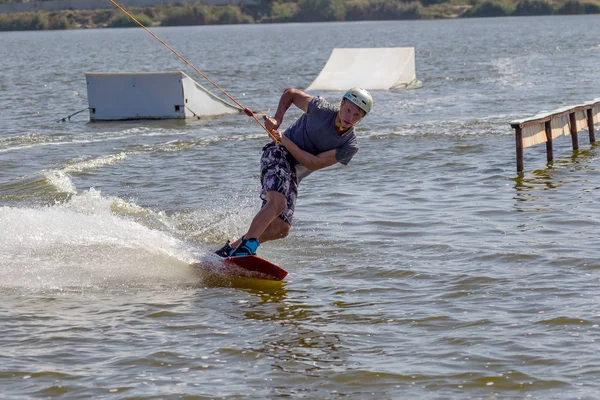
267, 225
278, 229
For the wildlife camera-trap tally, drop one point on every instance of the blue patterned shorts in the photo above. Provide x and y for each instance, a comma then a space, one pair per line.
278, 173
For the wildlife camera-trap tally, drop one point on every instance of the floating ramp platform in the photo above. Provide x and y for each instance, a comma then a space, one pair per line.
151, 95
369, 68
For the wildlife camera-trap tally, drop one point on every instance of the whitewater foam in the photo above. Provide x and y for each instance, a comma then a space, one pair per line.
82, 243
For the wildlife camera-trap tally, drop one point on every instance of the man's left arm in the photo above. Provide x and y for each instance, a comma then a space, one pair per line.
310, 161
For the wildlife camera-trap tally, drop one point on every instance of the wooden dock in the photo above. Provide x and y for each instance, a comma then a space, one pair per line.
547, 126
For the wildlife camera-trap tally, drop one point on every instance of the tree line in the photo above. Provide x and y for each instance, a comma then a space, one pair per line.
277, 11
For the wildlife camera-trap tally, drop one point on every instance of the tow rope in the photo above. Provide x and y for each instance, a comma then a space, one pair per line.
68, 117
248, 111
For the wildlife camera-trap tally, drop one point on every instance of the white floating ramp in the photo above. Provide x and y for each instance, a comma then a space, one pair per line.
151, 95
369, 68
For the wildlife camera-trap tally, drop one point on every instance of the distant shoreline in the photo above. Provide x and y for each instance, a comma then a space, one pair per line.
191, 14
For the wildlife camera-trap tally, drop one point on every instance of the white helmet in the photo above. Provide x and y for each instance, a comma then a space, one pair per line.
361, 98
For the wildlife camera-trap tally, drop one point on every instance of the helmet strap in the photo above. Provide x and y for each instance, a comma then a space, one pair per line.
338, 124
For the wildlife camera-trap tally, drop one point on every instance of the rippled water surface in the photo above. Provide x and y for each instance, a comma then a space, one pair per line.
427, 268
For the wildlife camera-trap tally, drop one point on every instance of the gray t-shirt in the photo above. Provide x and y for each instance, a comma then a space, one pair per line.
315, 132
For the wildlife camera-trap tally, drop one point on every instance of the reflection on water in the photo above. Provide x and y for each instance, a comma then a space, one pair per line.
536, 190
539, 179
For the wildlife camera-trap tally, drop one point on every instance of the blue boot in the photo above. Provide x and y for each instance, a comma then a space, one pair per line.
225, 251
246, 248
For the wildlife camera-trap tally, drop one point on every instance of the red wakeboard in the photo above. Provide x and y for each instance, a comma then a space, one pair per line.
256, 267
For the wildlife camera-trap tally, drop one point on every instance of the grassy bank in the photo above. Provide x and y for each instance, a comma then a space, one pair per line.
269, 11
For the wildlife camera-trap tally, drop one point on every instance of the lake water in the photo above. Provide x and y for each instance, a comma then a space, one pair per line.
427, 268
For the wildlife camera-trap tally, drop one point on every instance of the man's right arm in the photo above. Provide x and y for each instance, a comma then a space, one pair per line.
290, 96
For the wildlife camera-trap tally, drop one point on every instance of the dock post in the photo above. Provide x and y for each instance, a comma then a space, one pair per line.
519, 139
549, 149
590, 121
573, 123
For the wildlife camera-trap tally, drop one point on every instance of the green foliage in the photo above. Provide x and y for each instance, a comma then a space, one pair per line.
282, 12
150, 13
338, 10
443, 10
401, 10
259, 10
59, 22
202, 14
320, 10
232, 15
533, 7
123, 21
571, 7
432, 2
491, 8
268, 11
25, 22
189, 14
34, 21
102, 16
357, 10
592, 8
